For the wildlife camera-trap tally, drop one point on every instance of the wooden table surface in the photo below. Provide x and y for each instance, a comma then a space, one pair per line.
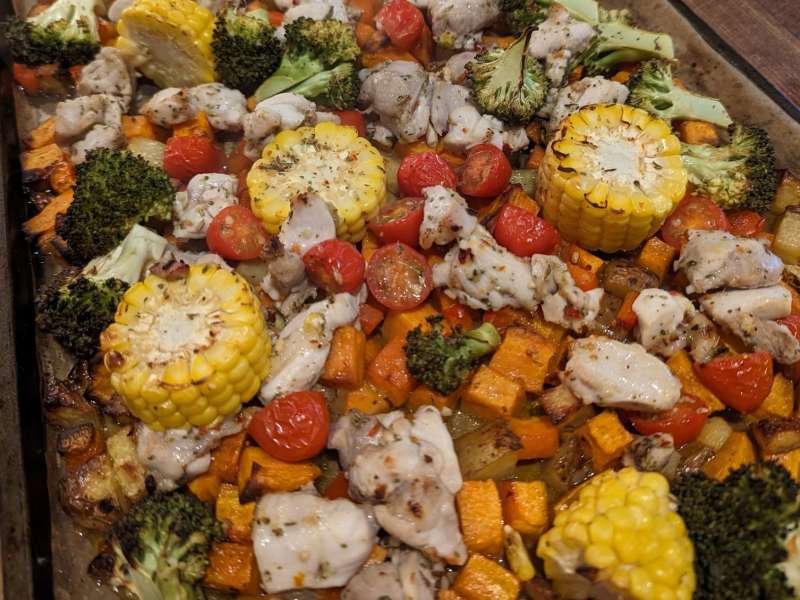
766, 33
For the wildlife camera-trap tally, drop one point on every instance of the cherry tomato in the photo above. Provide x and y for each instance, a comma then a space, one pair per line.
683, 422
188, 155
399, 221
523, 233
421, 170
693, 212
485, 173
293, 427
402, 22
335, 266
741, 381
458, 315
399, 277
236, 234
26, 77
353, 118
746, 223
238, 161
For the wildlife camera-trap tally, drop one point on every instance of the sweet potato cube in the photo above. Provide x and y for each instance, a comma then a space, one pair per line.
790, 461
606, 438
483, 579
657, 257
524, 357
41, 159
43, 135
134, 126
737, 451
344, 366
698, 132
424, 395
779, 402
538, 435
237, 516
206, 487
399, 322
480, 514
525, 506
232, 568
491, 394
367, 399
199, 125
681, 366
225, 458
260, 473
389, 373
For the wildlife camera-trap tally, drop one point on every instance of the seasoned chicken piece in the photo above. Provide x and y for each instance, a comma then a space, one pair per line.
225, 107
557, 39
319, 10
447, 97
589, 90
455, 69
652, 453
75, 117
466, 127
614, 374
563, 302
446, 217
459, 23
303, 541
407, 575
400, 93
715, 259
99, 136
282, 111
205, 196
302, 347
169, 107
108, 73
310, 222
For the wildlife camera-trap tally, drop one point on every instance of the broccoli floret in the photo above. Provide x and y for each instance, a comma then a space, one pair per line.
336, 88
652, 88
64, 33
311, 47
522, 14
617, 42
738, 528
161, 547
246, 49
443, 361
507, 82
114, 191
738, 175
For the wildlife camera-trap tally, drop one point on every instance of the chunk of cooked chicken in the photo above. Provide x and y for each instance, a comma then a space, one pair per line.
282, 111
303, 541
205, 196
99, 136
466, 127
455, 69
224, 106
447, 97
557, 39
169, 107
76, 116
108, 73
446, 217
715, 259
613, 374
589, 90
319, 10
563, 302
309, 223
459, 23
407, 575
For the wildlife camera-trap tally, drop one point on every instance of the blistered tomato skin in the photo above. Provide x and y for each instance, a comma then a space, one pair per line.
422, 170
693, 212
485, 173
399, 277
741, 381
523, 233
335, 266
399, 221
237, 234
293, 427
684, 422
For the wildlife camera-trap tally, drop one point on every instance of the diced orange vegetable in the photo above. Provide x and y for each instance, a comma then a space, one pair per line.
535, 158
232, 568
625, 316
43, 158
344, 366
657, 257
584, 279
459, 315
197, 126
403, 149
449, 595
365, 34
376, 57
206, 487
534, 132
27, 78
259, 473
377, 555
606, 438
480, 514
454, 160
779, 402
43, 135
698, 132
516, 196
576, 74
107, 31
790, 461
338, 487
389, 373
622, 76
238, 517
369, 318
538, 435
681, 366
484, 579
225, 458
368, 9
423, 50
372, 349
368, 246
491, 394
424, 395
795, 298
501, 41
399, 322
525, 506
367, 399
525, 357
737, 451
45, 220
575, 255
134, 126
62, 176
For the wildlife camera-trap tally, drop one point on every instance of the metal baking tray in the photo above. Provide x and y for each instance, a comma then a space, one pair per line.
44, 556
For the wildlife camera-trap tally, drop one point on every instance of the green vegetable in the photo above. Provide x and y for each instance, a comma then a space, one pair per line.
115, 190
739, 529
443, 361
161, 547
526, 178
522, 14
311, 47
64, 33
335, 88
507, 82
738, 175
246, 49
616, 42
652, 88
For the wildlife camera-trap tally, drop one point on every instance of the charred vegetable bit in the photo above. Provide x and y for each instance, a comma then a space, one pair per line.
443, 361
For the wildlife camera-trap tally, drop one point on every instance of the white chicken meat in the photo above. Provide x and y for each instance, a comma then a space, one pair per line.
169, 106
205, 196
225, 107
563, 302
99, 136
75, 117
303, 541
455, 68
589, 90
108, 73
556, 40
407, 575
446, 217
447, 97
715, 259
613, 374
282, 111
467, 128
458, 24
318, 10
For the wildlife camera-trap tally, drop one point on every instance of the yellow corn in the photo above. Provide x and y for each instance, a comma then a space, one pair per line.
330, 160
187, 352
169, 41
624, 525
610, 177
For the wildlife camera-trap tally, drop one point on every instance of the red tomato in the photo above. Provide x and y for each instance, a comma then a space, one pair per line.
238, 161
353, 118
485, 173
421, 170
399, 222
402, 22
293, 427
741, 381
458, 315
523, 233
26, 77
236, 234
684, 422
746, 223
188, 155
399, 277
338, 487
693, 212
335, 266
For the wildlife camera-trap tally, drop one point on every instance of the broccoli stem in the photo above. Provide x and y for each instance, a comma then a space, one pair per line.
481, 340
290, 72
618, 43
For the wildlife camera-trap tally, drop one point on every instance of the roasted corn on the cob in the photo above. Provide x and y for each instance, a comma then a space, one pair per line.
610, 176
187, 352
624, 525
330, 160
169, 41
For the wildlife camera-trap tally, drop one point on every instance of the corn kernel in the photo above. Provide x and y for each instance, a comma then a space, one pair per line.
601, 530
600, 556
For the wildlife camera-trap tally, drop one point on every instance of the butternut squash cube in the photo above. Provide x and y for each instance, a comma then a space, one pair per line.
367, 399
606, 438
790, 461
483, 579
42, 158
698, 132
43, 135
206, 487
779, 402
480, 514
237, 516
525, 506
524, 357
345, 364
425, 395
225, 458
399, 322
737, 451
491, 394
260, 473
232, 568
657, 257
449, 595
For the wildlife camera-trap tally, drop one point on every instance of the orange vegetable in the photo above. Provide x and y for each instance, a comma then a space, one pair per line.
365, 34
657, 257
681, 366
538, 435
376, 57
525, 506
369, 318
137, 126
575, 255
484, 579
399, 322
27, 78
606, 438
275, 18
697, 132
367, 399
42, 159
480, 514
344, 366
424, 395
454, 160
238, 517
197, 126
525, 357
501, 41
62, 177
423, 51
585, 280
225, 459
368, 8
260, 473
206, 487
535, 157
492, 394
449, 595
458, 315
622, 76
737, 451
575, 74
45, 220
232, 568
368, 246
388, 372
795, 298
43, 135
403, 149
107, 31
626, 317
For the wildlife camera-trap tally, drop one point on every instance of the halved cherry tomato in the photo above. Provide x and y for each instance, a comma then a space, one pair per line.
683, 422
741, 381
693, 212
398, 221
402, 22
293, 427
421, 170
190, 155
485, 173
523, 233
353, 118
335, 265
237, 234
746, 223
399, 277
458, 315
